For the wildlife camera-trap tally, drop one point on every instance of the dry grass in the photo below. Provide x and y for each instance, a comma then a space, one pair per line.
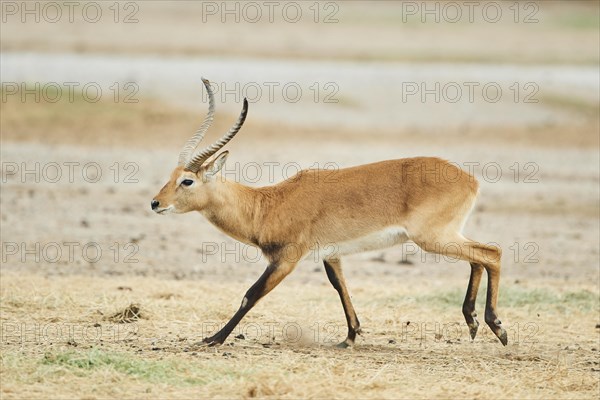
57, 343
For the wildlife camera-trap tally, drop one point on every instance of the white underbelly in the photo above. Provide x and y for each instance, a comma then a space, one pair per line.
382, 239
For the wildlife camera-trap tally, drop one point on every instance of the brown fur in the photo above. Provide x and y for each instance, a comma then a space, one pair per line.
431, 198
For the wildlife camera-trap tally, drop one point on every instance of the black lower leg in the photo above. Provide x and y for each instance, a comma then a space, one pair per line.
491, 318
468, 307
253, 294
337, 281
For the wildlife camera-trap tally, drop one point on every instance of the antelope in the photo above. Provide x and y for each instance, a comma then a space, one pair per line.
366, 207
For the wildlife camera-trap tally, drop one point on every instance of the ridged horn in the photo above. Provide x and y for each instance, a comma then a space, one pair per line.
192, 143
196, 162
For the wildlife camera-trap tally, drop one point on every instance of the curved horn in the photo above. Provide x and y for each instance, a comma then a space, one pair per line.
196, 162
193, 142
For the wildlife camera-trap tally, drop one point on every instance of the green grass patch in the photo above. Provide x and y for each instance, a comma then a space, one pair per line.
59, 114
164, 371
578, 21
53, 100
155, 371
533, 299
574, 104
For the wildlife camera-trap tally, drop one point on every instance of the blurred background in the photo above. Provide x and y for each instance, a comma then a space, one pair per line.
507, 90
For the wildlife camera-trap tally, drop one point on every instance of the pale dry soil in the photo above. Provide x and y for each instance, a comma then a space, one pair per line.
540, 32
61, 339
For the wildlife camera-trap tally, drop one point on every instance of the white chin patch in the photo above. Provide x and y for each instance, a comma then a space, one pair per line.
166, 210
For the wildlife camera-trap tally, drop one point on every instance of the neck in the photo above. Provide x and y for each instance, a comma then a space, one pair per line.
234, 208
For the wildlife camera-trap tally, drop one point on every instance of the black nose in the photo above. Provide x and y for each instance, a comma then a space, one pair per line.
154, 204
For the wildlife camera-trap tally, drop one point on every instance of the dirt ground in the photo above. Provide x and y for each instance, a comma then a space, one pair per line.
102, 298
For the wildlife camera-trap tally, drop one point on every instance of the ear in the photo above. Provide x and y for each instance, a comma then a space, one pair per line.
215, 165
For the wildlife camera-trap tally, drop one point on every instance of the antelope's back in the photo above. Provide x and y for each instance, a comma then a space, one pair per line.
362, 198
418, 177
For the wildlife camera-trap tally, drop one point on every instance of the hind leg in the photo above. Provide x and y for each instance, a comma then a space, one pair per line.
491, 316
484, 257
468, 308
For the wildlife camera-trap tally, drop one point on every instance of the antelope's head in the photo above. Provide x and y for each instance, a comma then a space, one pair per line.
191, 182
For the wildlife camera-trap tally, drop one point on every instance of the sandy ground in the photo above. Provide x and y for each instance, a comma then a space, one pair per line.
187, 277
415, 344
80, 243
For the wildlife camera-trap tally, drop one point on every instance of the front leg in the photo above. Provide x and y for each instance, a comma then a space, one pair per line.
274, 274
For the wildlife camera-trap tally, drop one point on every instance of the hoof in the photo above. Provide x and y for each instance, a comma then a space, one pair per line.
503, 336
344, 345
473, 329
496, 327
472, 323
212, 341
196, 346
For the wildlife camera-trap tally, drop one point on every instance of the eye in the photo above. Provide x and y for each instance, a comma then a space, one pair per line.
187, 182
